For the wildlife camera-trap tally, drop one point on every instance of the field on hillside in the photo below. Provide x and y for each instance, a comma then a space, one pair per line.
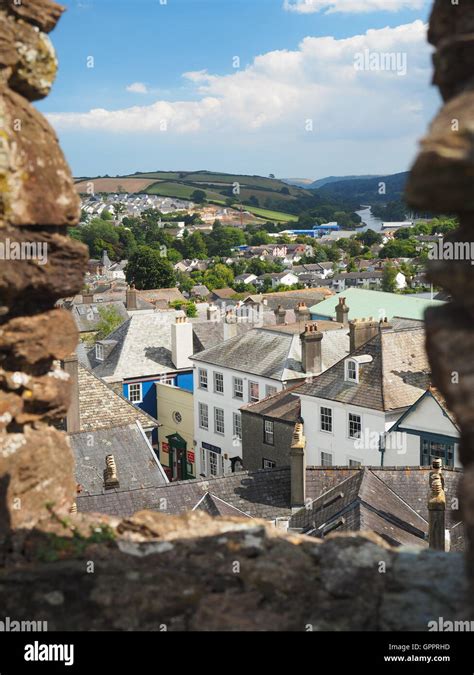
178, 190
130, 185
277, 216
204, 177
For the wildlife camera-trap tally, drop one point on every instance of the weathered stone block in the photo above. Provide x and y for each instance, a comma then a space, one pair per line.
38, 268
35, 182
36, 470
42, 13
32, 343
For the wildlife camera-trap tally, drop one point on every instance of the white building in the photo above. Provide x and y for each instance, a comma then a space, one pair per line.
348, 409
426, 431
246, 369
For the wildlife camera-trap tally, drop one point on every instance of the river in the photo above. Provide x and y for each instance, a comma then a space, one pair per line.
372, 223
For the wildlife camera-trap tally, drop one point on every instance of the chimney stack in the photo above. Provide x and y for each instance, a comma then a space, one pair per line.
437, 508
280, 315
87, 298
342, 312
212, 313
361, 331
181, 343
110, 474
73, 418
298, 468
311, 349
302, 313
131, 301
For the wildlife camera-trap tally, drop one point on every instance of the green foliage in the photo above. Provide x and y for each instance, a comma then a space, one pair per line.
399, 248
110, 319
389, 284
222, 239
369, 237
259, 238
198, 196
218, 276
147, 269
187, 306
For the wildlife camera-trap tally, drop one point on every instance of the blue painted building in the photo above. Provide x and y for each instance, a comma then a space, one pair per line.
150, 347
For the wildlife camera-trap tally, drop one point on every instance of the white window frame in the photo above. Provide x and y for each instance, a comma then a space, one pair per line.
202, 377
252, 399
349, 415
357, 463
203, 461
269, 433
203, 408
135, 386
220, 422
268, 463
167, 379
99, 352
331, 416
211, 458
239, 389
352, 367
270, 390
218, 377
237, 425
328, 454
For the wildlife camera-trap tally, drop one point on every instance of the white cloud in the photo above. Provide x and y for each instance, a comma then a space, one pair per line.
138, 88
275, 98
350, 6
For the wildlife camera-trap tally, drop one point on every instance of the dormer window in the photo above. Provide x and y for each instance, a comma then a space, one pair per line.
99, 352
353, 367
352, 371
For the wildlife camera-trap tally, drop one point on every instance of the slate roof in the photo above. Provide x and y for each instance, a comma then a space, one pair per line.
289, 299
267, 493
137, 469
87, 316
101, 407
410, 483
223, 293
260, 352
207, 334
363, 502
273, 353
363, 303
214, 506
261, 494
161, 296
395, 378
358, 275
143, 348
283, 406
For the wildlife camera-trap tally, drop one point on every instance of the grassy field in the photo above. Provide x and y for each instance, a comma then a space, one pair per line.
130, 185
181, 185
178, 190
276, 216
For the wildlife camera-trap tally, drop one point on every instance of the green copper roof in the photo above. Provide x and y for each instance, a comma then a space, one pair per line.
364, 304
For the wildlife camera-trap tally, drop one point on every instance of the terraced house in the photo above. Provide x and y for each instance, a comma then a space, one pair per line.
247, 369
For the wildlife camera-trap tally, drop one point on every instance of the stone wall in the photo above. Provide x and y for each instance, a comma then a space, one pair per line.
39, 265
196, 573
442, 181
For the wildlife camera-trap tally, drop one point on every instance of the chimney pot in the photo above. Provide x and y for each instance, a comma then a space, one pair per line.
110, 474
437, 508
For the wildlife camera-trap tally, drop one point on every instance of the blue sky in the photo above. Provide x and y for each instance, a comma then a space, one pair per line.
167, 95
